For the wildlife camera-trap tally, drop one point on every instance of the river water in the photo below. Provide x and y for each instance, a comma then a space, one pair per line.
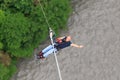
94, 24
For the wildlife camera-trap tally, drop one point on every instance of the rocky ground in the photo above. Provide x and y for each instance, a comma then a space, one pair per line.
96, 25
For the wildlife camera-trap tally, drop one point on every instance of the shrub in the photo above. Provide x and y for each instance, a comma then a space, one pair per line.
7, 72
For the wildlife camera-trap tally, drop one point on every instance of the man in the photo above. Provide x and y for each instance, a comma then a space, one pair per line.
59, 43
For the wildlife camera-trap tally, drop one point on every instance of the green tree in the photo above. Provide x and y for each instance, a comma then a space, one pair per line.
1, 45
20, 34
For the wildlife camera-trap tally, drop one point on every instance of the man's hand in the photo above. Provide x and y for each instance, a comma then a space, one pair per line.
75, 45
81, 46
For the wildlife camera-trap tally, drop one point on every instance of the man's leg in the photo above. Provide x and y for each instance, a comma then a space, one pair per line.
47, 49
44, 51
49, 52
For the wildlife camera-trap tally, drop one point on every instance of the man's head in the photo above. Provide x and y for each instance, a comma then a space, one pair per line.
68, 38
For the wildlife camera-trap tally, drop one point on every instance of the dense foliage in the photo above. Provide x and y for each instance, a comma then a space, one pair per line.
23, 27
7, 72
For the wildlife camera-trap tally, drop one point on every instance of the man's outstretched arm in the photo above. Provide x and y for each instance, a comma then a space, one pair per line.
78, 46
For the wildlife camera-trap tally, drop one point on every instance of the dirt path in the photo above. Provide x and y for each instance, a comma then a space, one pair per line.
96, 25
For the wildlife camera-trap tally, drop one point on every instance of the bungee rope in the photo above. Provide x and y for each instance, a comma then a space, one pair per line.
51, 38
44, 14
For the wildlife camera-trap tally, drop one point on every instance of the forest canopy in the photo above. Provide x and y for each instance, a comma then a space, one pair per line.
23, 27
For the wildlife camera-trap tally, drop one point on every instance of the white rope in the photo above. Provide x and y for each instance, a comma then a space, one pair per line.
59, 72
44, 14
